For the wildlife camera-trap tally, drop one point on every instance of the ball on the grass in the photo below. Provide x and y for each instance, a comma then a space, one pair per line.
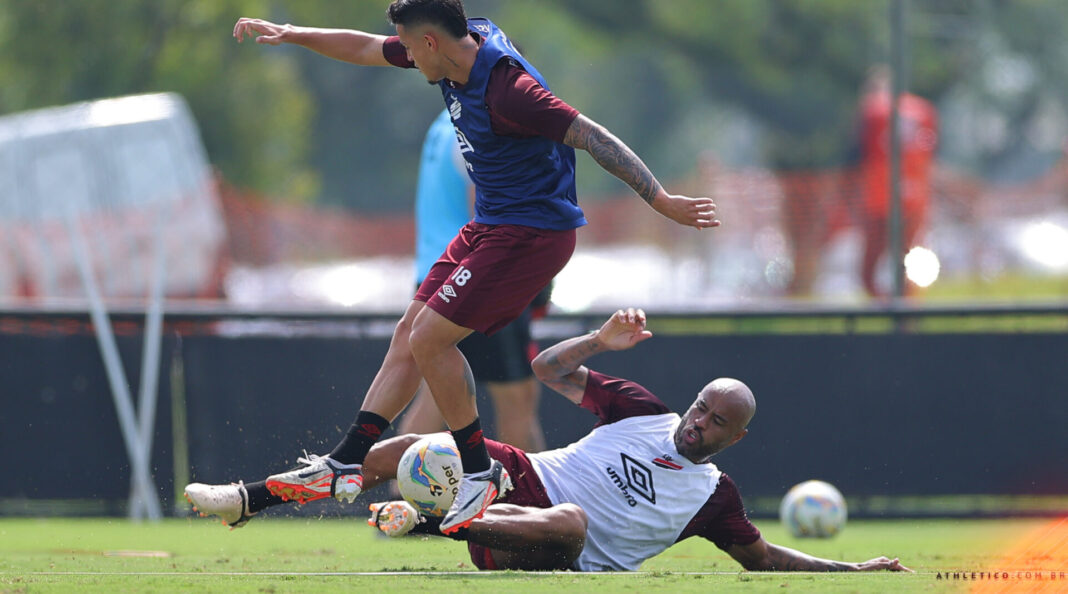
429, 474
813, 509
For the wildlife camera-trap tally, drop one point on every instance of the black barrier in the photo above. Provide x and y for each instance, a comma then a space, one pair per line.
875, 414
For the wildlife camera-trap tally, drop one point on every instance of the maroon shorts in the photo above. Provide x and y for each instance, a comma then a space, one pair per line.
527, 490
490, 273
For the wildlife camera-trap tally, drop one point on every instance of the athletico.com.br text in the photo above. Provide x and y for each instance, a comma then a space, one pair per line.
976, 576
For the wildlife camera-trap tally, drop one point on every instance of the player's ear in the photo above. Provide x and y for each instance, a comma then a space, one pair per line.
738, 437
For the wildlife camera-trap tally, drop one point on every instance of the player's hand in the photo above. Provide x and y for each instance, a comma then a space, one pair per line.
692, 212
623, 330
267, 32
883, 563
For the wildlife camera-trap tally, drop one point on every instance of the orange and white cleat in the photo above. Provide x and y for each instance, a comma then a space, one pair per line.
394, 518
477, 491
228, 502
321, 477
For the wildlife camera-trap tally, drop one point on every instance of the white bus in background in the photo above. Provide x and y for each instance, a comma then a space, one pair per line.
122, 170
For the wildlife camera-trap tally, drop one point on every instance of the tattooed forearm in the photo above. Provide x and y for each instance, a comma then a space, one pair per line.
785, 559
565, 357
614, 156
560, 366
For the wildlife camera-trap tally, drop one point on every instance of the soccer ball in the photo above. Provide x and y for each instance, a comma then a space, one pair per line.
429, 474
813, 508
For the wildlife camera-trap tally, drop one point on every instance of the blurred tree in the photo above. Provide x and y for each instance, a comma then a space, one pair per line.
252, 110
670, 78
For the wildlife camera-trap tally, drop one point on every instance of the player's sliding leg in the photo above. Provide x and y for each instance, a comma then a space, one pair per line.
511, 536
229, 502
433, 343
236, 503
339, 474
530, 538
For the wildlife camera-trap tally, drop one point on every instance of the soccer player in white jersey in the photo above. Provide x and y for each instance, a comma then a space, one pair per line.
639, 482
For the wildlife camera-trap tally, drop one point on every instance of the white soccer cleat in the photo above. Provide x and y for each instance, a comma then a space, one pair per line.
321, 477
228, 502
394, 518
477, 491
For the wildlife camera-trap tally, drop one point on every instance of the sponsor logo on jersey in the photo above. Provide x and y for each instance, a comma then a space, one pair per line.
665, 462
454, 107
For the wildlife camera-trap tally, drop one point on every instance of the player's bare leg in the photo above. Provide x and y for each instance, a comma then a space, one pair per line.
398, 379
531, 539
433, 343
422, 414
447, 374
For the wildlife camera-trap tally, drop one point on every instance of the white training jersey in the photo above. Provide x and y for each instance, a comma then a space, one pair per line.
638, 492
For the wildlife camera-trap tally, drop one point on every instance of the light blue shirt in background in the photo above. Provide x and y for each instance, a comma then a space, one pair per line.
442, 205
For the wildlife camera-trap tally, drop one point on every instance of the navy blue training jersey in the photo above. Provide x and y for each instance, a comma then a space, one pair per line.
518, 181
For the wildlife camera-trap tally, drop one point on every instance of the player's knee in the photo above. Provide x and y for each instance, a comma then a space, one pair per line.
570, 523
421, 339
403, 331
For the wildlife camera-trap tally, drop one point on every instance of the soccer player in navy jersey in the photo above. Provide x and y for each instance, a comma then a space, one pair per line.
518, 142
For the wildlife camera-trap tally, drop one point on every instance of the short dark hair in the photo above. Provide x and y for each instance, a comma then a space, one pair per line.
447, 14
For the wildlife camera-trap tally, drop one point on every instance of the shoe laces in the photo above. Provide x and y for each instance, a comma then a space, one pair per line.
310, 459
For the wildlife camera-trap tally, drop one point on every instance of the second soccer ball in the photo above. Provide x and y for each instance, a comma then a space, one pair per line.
813, 508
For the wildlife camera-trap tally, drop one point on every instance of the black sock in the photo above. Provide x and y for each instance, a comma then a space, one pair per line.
472, 446
259, 498
363, 434
432, 525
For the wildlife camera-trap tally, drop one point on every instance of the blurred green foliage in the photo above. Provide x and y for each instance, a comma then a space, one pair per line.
759, 82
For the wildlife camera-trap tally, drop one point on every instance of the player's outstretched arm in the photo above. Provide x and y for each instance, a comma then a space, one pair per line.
561, 366
765, 556
619, 160
347, 45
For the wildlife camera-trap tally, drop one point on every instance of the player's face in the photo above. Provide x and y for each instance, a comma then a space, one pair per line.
713, 422
418, 42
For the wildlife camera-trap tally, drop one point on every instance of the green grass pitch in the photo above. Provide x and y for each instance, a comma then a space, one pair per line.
305, 555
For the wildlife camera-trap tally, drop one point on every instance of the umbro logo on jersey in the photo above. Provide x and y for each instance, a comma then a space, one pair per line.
636, 480
639, 478
446, 293
454, 108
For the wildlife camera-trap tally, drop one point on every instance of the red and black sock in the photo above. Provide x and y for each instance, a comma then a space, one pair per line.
472, 446
363, 434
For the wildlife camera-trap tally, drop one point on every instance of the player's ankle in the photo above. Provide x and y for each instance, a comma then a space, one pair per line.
472, 447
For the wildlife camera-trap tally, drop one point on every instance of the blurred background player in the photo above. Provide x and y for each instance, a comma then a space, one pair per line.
443, 203
518, 142
918, 125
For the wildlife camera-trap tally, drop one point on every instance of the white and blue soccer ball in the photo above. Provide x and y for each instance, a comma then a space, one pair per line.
429, 474
813, 509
